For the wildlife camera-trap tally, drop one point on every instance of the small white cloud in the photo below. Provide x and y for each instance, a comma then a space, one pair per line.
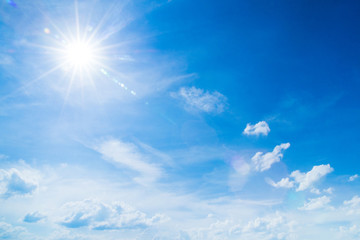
261, 128
263, 161
283, 183
352, 178
315, 191
329, 190
195, 98
14, 182
306, 180
316, 203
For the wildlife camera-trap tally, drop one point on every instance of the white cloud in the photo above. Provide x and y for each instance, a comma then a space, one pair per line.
261, 128
316, 203
100, 216
329, 190
202, 100
352, 178
263, 161
14, 182
306, 180
124, 154
283, 183
315, 191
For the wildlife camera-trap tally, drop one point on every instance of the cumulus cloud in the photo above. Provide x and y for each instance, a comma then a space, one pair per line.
195, 98
306, 180
100, 216
261, 128
316, 203
283, 183
274, 226
352, 178
128, 155
15, 182
33, 217
263, 161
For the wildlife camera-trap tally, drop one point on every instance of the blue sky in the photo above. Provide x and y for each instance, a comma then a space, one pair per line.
179, 119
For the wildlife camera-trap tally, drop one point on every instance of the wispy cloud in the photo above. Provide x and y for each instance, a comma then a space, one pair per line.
263, 161
261, 128
128, 155
316, 203
201, 100
353, 177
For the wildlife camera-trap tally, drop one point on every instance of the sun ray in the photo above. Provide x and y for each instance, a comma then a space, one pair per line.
29, 83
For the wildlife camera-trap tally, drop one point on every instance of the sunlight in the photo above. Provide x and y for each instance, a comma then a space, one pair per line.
79, 54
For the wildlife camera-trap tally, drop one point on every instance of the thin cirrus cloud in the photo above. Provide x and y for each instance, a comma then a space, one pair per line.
263, 161
97, 215
261, 128
128, 155
15, 182
305, 180
201, 100
316, 203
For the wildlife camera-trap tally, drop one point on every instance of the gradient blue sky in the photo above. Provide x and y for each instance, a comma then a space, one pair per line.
198, 120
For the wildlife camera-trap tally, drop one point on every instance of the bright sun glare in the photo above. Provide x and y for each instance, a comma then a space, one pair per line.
79, 54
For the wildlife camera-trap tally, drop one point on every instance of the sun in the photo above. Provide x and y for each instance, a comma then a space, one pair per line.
79, 54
